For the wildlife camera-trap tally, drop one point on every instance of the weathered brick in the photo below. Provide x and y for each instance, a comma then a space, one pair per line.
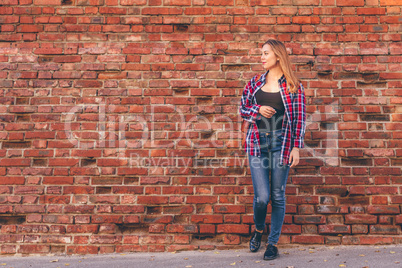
29, 249
302, 219
202, 199
233, 228
229, 209
291, 229
176, 228
392, 209
360, 219
375, 240
334, 229
384, 229
307, 239
207, 218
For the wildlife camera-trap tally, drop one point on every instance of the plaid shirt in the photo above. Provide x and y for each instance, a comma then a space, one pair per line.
294, 120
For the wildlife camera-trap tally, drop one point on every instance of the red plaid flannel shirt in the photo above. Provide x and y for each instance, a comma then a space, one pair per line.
294, 121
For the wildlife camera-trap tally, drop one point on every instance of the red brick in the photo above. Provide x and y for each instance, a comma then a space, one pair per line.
392, 209
28, 190
384, 229
82, 250
233, 228
68, 59
228, 190
48, 51
112, 10
107, 219
90, 2
359, 229
156, 239
79, 209
357, 190
26, 28
334, 229
307, 180
8, 249
63, 162
176, 228
172, 248
9, 2
157, 219
390, 3
84, 83
131, 248
24, 209
116, 28
207, 218
232, 219
302, 199
182, 239
380, 200
156, 228
161, 11
382, 190
47, 2
133, 2
332, 209
291, 229
309, 219
375, 240
49, 199
361, 219
152, 199
131, 239
229, 209
231, 239
105, 239
12, 180
15, 162
202, 199
308, 239
29, 249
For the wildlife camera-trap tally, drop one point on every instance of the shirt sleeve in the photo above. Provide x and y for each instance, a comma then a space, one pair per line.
299, 118
248, 111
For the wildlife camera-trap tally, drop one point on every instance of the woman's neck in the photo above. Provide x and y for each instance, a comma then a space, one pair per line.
274, 74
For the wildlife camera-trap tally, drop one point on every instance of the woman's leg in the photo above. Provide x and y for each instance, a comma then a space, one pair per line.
259, 167
279, 178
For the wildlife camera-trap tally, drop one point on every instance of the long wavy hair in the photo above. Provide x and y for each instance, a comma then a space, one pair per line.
284, 62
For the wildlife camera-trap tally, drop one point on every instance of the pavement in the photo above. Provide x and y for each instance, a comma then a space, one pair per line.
385, 256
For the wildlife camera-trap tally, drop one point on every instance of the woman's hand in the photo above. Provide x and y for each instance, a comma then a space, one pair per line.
267, 111
294, 157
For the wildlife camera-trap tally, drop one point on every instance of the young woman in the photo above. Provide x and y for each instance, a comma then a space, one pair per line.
274, 105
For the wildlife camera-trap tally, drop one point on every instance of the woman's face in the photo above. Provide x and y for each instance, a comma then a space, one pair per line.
268, 58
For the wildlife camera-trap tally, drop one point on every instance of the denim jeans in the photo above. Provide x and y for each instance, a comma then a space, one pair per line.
269, 185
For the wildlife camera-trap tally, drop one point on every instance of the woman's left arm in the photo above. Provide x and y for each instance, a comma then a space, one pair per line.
299, 118
298, 125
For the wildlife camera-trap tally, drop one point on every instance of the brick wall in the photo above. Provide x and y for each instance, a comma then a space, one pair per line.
119, 122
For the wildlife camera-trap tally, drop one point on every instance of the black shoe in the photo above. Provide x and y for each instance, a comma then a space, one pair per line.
255, 241
271, 252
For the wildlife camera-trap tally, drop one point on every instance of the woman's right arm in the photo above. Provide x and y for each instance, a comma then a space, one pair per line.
248, 111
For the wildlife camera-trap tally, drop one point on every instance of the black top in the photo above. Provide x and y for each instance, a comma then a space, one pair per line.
274, 100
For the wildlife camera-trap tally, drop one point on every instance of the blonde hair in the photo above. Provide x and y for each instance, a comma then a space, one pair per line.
284, 62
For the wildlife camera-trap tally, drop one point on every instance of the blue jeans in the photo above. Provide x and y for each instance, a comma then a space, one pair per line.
268, 184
